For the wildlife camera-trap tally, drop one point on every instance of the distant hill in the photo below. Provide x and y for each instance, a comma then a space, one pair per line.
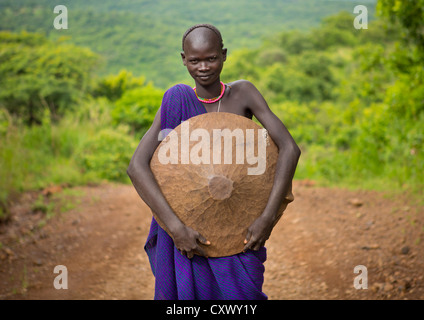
144, 36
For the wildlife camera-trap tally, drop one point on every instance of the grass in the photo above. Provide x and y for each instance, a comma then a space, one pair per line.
35, 157
332, 168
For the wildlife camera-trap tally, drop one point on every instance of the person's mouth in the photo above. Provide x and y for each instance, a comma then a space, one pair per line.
205, 77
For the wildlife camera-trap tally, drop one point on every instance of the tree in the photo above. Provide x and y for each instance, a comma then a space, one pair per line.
137, 108
37, 74
406, 95
409, 13
114, 86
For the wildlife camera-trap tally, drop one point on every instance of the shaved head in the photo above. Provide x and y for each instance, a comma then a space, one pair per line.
203, 33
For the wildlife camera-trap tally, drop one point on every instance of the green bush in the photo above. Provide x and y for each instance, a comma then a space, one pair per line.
107, 154
114, 86
137, 108
37, 74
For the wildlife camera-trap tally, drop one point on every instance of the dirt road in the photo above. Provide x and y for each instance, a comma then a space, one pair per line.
312, 253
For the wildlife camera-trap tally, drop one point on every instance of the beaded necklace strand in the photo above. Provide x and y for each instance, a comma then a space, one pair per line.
213, 100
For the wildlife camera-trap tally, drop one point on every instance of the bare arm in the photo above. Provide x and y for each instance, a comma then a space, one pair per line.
185, 239
288, 156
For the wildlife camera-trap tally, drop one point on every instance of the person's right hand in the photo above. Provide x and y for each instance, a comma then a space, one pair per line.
187, 241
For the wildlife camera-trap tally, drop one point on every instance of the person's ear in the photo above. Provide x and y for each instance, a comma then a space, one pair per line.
184, 58
224, 54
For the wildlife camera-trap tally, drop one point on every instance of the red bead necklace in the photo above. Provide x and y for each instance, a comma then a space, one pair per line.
213, 100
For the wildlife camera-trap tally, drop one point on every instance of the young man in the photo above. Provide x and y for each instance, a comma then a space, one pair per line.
178, 261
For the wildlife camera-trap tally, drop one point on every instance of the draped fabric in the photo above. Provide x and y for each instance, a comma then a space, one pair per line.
237, 277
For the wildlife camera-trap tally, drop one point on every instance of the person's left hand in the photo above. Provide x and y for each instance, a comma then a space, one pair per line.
258, 233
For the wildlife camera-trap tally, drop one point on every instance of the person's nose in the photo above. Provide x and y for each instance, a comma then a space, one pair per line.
203, 67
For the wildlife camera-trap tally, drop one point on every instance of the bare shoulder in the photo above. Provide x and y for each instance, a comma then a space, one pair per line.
245, 90
241, 85
248, 95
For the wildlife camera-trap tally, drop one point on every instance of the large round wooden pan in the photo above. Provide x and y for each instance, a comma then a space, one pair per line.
216, 171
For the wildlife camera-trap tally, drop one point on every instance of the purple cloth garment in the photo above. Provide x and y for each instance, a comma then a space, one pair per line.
237, 277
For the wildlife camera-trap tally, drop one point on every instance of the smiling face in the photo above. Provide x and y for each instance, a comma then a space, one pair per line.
203, 56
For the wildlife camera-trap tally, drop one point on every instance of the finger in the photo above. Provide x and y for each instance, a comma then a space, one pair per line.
257, 246
247, 247
203, 240
248, 235
249, 244
201, 252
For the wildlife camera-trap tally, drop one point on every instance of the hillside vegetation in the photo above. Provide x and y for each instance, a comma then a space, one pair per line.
145, 36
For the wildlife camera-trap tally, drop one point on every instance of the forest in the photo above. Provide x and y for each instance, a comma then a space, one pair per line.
74, 105
145, 36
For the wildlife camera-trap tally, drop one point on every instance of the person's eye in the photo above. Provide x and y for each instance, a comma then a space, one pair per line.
212, 59
193, 61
